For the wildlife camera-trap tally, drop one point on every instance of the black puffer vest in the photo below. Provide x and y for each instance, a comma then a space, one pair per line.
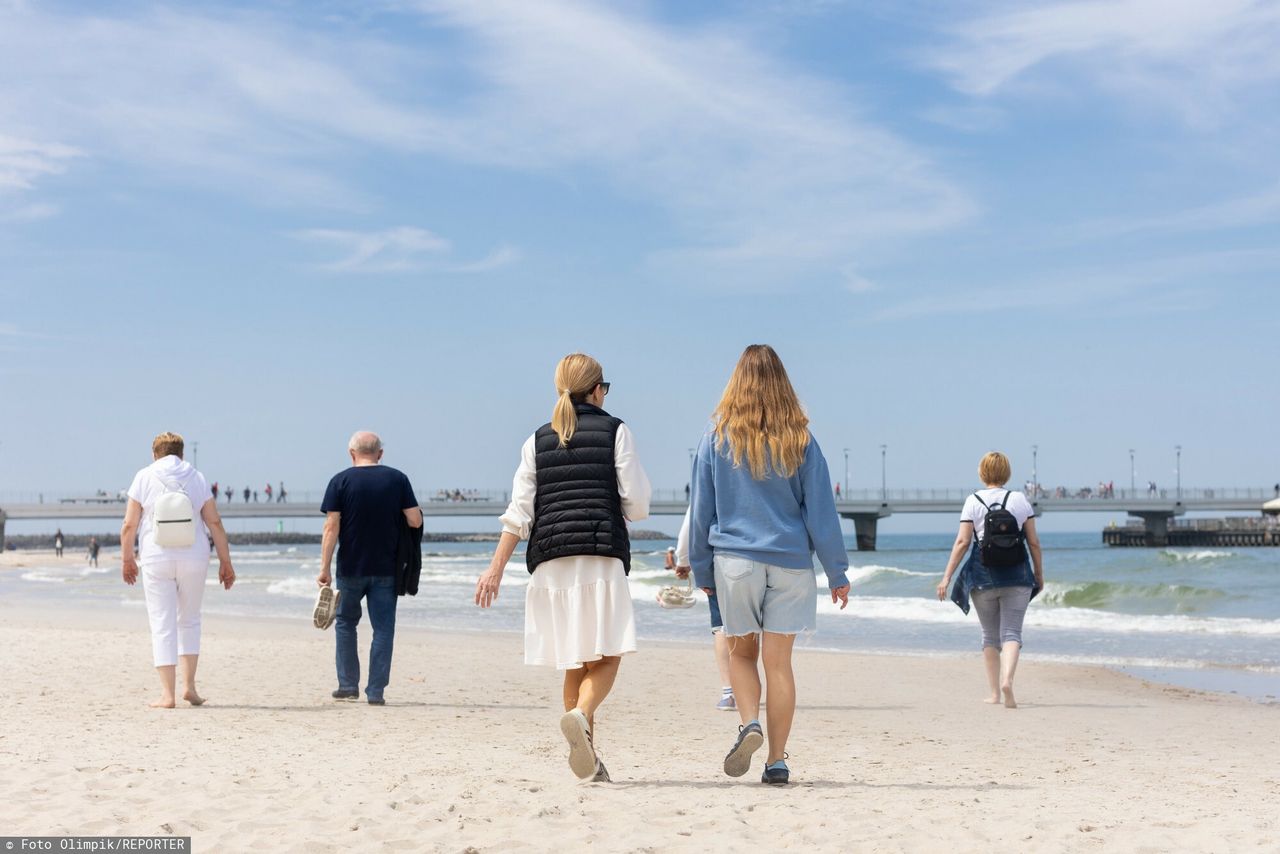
577, 509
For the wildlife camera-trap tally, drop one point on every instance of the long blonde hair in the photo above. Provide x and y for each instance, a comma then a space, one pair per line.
760, 417
577, 375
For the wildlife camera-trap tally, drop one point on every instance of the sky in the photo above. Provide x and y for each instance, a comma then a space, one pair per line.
963, 226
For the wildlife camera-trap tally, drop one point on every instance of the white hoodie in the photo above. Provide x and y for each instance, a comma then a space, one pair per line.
147, 487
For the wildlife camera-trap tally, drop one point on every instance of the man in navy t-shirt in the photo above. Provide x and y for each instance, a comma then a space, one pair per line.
363, 506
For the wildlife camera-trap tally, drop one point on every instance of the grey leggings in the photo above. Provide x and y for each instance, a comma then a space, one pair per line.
1000, 610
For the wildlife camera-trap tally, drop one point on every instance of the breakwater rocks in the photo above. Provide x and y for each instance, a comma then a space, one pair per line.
263, 538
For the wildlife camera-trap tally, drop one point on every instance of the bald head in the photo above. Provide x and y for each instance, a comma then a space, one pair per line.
365, 445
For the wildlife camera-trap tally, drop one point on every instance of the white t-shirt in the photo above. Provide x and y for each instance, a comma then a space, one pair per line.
146, 488
974, 512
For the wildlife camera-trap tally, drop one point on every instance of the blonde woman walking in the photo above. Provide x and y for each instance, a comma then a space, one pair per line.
578, 484
998, 577
173, 566
761, 506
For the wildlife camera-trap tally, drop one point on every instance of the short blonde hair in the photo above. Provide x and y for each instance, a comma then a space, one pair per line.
995, 468
166, 444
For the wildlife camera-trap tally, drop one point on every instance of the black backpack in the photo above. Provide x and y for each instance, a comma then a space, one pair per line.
1002, 541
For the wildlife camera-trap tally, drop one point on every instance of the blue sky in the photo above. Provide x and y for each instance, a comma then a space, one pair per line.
964, 225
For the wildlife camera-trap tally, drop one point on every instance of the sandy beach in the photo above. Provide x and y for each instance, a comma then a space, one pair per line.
888, 753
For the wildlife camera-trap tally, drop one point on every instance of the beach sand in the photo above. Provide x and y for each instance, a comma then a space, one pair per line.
888, 753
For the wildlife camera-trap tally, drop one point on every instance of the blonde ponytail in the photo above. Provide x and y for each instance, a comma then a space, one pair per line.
577, 375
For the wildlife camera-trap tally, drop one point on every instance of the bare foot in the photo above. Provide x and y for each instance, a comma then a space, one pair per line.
1009, 703
993, 699
163, 703
192, 697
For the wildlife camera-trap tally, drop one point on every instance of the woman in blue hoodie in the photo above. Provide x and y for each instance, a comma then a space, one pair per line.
761, 506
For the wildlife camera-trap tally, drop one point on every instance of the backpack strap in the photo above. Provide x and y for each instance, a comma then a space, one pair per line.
1005, 504
983, 503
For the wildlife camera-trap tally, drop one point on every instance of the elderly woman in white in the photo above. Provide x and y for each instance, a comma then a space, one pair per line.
578, 484
173, 565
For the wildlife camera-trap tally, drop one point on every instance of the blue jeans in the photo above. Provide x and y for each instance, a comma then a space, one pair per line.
381, 593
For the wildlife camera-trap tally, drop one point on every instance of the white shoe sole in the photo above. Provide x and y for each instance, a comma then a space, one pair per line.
738, 762
582, 756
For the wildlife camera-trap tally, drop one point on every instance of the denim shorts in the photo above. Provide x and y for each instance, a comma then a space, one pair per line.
756, 597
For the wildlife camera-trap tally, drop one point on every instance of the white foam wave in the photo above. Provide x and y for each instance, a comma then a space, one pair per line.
931, 611
862, 573
1196, 554
295, 587
43, 577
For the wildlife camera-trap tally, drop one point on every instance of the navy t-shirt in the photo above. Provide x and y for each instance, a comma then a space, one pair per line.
372, 501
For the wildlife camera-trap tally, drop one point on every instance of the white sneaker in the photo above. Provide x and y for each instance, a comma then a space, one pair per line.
582, 756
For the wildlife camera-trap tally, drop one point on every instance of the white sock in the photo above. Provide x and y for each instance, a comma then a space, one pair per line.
727, 691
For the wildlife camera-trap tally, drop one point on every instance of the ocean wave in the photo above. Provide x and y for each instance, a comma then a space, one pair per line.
931, 611
295, 587
1099, 595
863, 573
1195, 555
43, 577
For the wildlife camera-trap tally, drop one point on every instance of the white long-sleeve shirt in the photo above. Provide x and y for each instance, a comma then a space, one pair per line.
633, 484
682, 540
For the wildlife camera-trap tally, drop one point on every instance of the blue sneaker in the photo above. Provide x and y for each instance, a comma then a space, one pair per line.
738, 760
727, 704
776, 773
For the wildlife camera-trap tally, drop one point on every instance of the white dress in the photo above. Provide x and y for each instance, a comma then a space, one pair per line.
578, 609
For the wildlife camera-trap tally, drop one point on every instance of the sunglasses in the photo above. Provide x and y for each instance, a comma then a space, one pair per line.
605, 387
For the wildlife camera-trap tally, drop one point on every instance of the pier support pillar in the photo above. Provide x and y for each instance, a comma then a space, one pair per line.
1157, 527
864, 528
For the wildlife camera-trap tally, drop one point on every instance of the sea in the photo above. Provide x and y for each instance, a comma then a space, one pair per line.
1197, 617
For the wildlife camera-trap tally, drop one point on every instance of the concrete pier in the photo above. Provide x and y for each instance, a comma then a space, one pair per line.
1156, 525
864, 527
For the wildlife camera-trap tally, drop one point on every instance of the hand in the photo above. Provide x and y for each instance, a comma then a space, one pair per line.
487, 587
841, 595
324, 579
942, 590
683, 571
226, 575
129, 570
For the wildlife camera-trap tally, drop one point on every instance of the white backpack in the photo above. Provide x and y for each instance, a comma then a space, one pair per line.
174, 518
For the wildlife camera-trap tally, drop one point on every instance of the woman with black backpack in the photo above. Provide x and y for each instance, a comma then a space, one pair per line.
1000, 524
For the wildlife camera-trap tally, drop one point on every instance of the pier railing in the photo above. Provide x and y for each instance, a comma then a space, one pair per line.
955, 494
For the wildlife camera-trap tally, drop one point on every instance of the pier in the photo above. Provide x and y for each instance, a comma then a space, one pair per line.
1157, 513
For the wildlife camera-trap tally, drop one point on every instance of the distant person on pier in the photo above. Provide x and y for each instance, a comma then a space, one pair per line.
255, 496
94, 548
762, 505
58, 542
268, 493
214, 490
578, 484
172, 516
246, 494
280, 499
363, 506
998, 577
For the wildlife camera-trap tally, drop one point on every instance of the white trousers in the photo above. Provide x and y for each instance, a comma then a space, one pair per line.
173, 590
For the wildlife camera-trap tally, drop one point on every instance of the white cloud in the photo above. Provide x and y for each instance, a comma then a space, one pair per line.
1169, 283
760, 167
404, 249
1187, 54
24, 161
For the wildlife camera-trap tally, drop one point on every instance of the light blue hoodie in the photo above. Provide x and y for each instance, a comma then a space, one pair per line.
780, 521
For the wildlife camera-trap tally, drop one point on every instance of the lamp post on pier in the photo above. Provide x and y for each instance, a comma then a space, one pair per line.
1177, 469
1133, 473
884, 483
846, 474
1035, 472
